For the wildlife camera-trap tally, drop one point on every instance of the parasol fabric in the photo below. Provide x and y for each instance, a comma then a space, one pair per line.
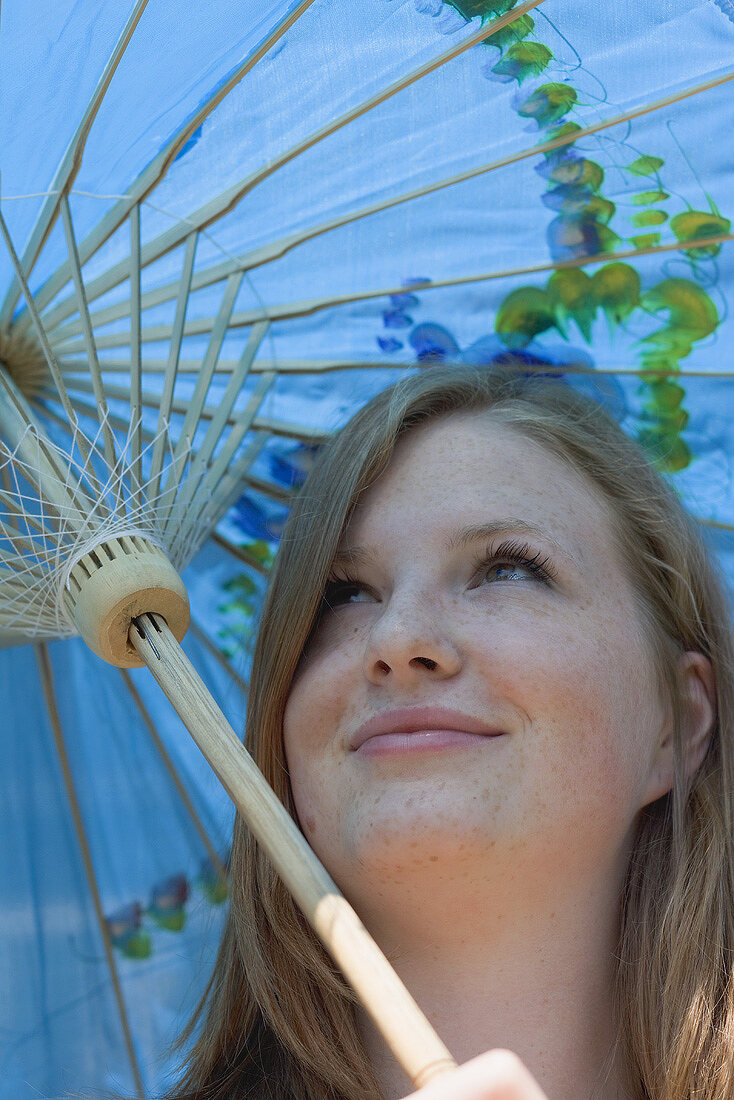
223, 232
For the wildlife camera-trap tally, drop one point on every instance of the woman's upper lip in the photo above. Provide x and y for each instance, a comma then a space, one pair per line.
414, 719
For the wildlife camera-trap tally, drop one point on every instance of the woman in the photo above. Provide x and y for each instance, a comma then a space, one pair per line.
493, 684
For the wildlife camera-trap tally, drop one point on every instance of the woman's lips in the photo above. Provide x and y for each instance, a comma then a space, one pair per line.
419, 729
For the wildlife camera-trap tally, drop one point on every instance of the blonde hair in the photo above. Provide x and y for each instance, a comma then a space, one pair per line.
278, 1018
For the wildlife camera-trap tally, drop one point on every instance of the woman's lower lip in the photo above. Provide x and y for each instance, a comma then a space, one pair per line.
391, 744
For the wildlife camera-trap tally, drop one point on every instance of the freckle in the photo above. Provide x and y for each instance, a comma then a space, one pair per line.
434, 859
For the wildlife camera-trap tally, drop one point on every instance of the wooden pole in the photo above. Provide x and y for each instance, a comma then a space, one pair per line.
404, 1027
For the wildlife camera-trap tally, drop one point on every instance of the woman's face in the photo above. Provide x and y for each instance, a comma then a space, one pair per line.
479, 686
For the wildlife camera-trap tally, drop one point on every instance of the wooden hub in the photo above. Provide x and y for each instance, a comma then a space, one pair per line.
114, 583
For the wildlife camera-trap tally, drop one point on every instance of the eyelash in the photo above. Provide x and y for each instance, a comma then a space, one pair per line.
516, 553
507, 553
337, 584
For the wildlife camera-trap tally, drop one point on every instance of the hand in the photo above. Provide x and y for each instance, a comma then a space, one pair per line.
496, 1075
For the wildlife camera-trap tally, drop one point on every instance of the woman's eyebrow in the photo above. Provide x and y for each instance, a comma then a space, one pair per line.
351, 556
464, 536
511, 524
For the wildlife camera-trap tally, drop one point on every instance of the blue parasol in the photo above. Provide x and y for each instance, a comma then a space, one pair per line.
224, 231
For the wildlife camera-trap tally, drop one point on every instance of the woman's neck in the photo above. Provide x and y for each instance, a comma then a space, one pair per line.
530, 972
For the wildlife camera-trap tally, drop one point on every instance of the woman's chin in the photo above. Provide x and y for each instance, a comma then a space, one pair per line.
413, 843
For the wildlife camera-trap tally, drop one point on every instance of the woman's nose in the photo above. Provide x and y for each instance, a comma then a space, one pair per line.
409, 641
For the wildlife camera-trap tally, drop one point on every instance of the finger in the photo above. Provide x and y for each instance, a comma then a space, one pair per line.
495, 1075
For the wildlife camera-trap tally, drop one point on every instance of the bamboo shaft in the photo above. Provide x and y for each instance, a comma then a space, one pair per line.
404, 1027
50, 695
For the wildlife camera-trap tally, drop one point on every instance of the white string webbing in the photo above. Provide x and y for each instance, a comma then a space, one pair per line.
44, 532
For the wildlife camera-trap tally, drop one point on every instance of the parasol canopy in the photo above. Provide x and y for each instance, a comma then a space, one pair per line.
224, 232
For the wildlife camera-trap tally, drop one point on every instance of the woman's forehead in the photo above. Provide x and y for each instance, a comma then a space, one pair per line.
469, 469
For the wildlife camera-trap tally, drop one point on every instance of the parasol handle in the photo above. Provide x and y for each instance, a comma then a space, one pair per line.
402, 1024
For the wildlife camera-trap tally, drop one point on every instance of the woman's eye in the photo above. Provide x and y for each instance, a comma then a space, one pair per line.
341, 592
509, 571
512, 562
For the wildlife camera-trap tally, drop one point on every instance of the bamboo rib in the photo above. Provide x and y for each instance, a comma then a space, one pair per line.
174, 352
262, 426
715, 523
300, 432
41, 467
56, 375
203, 471
25, 616
15, 500
69, 167
13, 579
218, 207
214, 476
151, 400
89, 345
322, 366
73, 368
240, 553
23, 540
12, 500
296, 310
20, 566
213, 499
229, 489
403, 1026
270, 489
44, 666
157, 169
175, 777
203, 380
135, 359
16, 492
38, 324
87, 474
182, 453
275, 250
201, 636
4, 475
224, 414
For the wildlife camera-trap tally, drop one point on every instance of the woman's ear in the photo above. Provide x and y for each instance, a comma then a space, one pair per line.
697, 688
697, 707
